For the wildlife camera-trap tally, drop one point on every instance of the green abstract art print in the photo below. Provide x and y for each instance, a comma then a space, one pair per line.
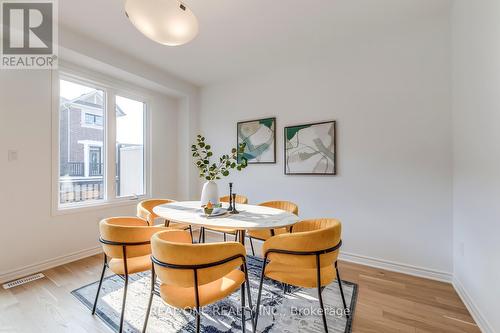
310, 149
260, 139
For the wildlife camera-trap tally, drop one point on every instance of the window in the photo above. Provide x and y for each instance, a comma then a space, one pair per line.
101, 152
93, 119
129, 146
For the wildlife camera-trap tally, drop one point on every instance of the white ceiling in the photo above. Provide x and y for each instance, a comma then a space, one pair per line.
240, 37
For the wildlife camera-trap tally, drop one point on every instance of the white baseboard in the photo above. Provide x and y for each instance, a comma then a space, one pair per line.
47, 264
479, 318
397, 267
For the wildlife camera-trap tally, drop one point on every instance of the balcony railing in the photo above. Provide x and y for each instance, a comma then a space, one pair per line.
73, 169
95, 169
77, 169
80, 190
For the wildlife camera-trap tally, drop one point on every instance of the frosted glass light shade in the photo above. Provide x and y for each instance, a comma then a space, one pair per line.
167, 22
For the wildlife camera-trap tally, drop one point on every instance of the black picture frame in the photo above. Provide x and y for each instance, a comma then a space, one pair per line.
238, 126
285, 157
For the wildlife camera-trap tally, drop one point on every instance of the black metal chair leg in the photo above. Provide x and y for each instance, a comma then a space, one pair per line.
148, 312
339, 281
320, 296
224, 236
201, 236
198, 320
323, 314
249, 294
100, 283
191, 233
122, 317
251, 245
243, 303
197, 300
125, 270
153, 281
259, 294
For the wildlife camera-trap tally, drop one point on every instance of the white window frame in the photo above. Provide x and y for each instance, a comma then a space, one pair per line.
111, 88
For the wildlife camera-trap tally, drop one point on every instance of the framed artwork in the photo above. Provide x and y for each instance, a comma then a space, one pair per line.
311, 149
260, 139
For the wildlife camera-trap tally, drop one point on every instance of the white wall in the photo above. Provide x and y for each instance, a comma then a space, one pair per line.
476, 129
388, 88
31, 236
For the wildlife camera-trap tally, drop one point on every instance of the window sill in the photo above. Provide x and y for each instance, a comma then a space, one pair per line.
96, 205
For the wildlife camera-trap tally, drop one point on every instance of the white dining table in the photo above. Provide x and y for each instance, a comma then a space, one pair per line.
250, 217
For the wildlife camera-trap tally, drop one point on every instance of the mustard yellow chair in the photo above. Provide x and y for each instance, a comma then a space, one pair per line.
194, 275
127, 250
240, 199
306, 257
145, 211
268, 233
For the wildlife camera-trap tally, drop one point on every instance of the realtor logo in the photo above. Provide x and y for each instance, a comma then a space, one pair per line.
29, 34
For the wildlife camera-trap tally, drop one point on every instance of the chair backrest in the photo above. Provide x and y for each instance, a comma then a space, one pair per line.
126, 231
174, 248
283, 205
240, 199
318, 235
145, 209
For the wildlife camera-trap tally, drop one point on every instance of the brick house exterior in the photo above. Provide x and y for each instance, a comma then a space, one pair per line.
82, 135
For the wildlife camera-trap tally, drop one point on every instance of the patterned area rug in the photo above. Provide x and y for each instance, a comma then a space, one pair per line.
295, 311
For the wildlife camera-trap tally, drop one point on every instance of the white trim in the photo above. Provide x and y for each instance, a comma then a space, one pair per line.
397, 267
110, 142
90, 143
48, 264
92, 205
476, 314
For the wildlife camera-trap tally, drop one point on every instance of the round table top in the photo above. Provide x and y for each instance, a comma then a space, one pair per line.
250, 217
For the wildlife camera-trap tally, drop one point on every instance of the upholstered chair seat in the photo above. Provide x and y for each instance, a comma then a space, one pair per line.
194, 275
305, 257
127, 250
134, 265
184, 298
301, 277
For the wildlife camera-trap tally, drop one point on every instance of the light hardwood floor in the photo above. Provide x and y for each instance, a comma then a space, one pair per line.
387, 302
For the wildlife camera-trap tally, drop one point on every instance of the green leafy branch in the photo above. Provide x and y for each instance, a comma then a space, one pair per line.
202, 152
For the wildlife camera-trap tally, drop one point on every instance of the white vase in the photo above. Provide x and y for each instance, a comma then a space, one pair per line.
210, 193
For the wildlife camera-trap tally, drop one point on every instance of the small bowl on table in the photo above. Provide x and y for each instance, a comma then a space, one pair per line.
210, 210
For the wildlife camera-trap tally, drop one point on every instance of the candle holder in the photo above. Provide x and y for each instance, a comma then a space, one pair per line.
234, 211
230, 208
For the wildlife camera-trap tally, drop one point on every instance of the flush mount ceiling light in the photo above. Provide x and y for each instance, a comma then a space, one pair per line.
168, 22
